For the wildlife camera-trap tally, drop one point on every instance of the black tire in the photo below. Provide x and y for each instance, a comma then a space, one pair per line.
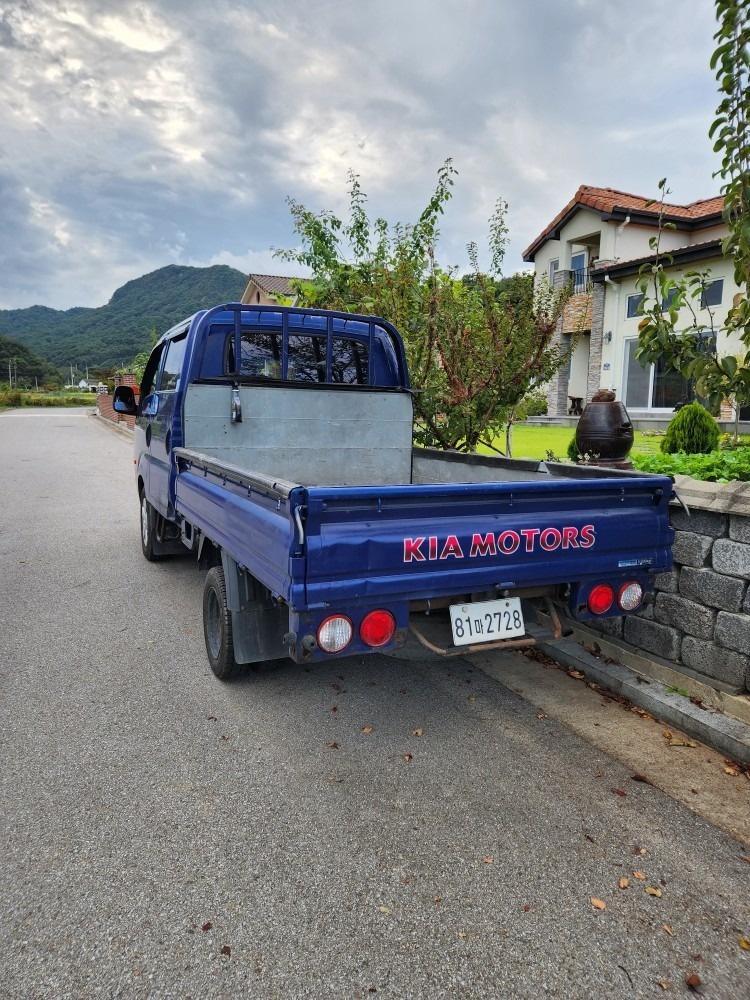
217, 625
148, 529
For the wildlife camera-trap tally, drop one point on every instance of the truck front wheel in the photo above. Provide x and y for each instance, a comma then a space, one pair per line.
217, 625
148, 529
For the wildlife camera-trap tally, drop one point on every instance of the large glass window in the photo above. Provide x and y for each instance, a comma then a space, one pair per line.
653, 387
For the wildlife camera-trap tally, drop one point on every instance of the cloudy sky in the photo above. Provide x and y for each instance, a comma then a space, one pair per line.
139, 134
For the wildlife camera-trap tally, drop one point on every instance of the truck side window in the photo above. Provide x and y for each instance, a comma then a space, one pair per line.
170, 373
149, 372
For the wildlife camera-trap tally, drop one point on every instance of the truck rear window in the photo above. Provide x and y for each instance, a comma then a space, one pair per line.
261, 355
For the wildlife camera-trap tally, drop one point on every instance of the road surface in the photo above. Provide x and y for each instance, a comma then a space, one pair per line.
371, 827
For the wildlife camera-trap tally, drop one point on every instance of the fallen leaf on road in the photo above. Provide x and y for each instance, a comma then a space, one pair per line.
384, 909
418, 731
462, 934
744, 943
407, 757
733, 771
226, 950
682, 743
438, 898
640, 850
366, 729
488, 861
472, 697
526, 907
653, 892
664, 983
541, 716
639, 875
207, 926
332, 746
640, 777
598, 904
667, 735
577, 674
619, 791
745, 858
668, 929
693, 982
335, 708
624, 883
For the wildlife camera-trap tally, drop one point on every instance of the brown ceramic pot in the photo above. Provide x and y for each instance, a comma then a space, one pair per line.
605, 430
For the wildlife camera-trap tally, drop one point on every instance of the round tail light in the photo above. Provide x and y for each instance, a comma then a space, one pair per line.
601, 599
335, 634
630, 596
377, 628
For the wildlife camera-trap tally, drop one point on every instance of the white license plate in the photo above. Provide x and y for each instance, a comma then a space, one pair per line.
486, 621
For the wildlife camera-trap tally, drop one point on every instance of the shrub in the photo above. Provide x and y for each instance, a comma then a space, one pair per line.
573, 453
691, 430
532, 405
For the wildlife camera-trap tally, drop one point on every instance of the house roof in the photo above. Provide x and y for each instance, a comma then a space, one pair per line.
683, 255
612, 204
273, 283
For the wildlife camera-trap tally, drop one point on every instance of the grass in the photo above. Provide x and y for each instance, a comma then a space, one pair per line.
534, 442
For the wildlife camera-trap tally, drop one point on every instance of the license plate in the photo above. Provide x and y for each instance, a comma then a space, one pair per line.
486, 621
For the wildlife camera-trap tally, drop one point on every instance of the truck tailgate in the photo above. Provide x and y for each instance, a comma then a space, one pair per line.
398, 542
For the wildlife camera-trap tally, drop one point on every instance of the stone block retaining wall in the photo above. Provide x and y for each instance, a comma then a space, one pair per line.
700, 618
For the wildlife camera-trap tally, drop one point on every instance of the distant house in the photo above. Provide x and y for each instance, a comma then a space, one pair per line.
261, 289
597, 243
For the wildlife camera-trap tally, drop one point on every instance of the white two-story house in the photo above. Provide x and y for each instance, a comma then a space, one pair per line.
598, 243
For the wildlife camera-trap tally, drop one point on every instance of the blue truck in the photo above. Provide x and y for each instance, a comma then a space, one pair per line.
276, 445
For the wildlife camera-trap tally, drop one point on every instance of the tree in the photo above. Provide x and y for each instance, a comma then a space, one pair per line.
715, 360
475, 346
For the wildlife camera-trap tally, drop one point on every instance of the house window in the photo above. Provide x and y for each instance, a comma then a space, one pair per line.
634, 305
652, 387
554, 267
712, 294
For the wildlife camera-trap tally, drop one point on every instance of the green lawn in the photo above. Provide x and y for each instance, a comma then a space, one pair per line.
535, 442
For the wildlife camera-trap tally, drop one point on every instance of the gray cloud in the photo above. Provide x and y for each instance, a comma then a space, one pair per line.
138, 133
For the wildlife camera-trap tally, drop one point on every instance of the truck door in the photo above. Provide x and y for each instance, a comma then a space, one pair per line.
160, 422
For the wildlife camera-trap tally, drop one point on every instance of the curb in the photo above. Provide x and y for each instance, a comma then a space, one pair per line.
728, 735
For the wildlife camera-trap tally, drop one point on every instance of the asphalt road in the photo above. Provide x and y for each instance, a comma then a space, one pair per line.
167, 836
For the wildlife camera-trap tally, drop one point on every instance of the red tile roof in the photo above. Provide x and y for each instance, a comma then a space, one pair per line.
273, 283
607, 201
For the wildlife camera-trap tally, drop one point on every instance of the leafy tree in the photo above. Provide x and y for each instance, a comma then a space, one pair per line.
24, 369
475, 345
699, 350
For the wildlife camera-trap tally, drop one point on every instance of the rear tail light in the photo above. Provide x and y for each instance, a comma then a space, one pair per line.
335, 633
630, 596
601, 599
377, 628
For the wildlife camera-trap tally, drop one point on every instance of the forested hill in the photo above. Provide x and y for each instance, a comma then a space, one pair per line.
113, 334
21, 366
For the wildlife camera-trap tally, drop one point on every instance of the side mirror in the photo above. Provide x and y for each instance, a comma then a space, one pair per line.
123, 400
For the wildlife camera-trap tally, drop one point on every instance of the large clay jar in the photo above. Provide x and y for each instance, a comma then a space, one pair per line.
605, 432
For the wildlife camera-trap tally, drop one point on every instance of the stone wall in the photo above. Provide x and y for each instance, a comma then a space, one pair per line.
700, 617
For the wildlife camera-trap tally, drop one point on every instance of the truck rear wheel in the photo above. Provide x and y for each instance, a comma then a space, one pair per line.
217, 625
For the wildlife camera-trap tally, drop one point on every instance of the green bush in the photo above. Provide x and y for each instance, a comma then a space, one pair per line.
573, 453
532, 405
691, 430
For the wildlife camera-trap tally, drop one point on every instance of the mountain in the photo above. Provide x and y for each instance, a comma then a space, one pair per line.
113, 334
21, 365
